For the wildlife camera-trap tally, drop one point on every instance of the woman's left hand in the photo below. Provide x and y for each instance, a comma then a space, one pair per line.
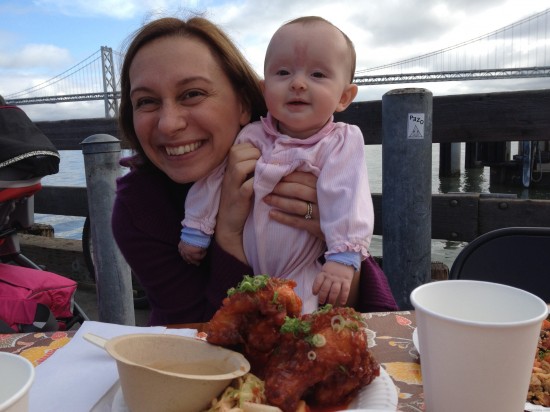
290, 199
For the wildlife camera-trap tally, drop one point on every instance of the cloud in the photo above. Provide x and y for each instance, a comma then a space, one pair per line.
36, 56
63, 111
117, 9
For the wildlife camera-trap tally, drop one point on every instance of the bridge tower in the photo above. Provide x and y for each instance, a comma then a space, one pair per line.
109, 82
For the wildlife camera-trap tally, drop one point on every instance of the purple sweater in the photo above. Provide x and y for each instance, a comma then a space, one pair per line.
146, 224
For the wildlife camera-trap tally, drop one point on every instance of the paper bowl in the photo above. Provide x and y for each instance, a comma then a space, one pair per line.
16, 378
172, 373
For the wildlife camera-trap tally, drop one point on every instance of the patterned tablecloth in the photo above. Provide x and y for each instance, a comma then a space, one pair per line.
390, 338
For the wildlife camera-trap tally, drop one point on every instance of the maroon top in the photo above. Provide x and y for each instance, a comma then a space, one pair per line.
146, 222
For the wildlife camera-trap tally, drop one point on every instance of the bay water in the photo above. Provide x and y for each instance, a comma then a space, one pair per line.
71, 173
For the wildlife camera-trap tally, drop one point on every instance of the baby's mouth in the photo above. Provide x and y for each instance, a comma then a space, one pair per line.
297, 103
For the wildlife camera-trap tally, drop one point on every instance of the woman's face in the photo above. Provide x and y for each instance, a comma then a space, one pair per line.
185, 111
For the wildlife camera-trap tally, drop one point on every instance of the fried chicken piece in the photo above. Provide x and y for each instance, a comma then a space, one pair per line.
322, 358
251, 316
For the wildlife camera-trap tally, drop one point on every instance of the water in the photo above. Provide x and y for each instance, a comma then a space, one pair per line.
71, 173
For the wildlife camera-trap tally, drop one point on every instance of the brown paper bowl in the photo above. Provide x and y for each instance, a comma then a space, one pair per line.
172, 373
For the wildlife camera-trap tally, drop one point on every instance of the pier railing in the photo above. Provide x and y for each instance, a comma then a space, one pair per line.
457, 216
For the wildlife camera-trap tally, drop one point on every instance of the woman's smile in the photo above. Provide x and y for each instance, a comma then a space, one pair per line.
182, 149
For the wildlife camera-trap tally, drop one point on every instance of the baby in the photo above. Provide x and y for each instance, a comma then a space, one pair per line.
308, 73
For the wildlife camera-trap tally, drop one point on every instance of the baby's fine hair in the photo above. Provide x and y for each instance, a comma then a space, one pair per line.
317, 19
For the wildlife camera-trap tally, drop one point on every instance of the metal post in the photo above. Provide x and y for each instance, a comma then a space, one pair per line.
406, 190
113, 277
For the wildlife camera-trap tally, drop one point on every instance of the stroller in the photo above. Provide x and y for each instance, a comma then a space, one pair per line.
31, 299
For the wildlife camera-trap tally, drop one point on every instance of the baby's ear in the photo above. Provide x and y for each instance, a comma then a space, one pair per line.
349, 93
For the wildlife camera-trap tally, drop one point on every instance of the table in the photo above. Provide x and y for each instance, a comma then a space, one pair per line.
389, 334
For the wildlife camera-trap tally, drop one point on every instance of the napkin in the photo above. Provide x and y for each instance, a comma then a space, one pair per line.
77, 375
529, 407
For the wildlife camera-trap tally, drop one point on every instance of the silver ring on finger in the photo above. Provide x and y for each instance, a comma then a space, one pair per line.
309, 213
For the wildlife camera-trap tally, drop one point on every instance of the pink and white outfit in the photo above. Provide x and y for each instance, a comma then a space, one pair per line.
336, 156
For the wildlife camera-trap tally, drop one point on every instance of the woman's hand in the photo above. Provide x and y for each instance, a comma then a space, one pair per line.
290, 199
236, 198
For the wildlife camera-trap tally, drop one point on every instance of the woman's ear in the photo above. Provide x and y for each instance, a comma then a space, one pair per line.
245, 116
349, 93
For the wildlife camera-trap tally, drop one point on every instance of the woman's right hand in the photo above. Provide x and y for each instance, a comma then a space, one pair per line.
290, 199
236, 198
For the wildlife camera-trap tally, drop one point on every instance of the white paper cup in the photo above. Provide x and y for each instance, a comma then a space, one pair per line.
477, 344
16, 378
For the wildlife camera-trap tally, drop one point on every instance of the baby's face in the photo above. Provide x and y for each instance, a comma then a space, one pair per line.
307, 70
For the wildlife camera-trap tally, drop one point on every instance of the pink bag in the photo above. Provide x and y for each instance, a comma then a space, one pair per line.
24, 292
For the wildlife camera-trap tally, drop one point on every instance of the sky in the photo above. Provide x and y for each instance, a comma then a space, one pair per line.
40, 39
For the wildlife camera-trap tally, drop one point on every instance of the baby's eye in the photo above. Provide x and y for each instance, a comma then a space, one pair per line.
318, 74
282, 72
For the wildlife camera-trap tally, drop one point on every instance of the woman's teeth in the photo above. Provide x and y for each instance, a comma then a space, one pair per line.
174, 151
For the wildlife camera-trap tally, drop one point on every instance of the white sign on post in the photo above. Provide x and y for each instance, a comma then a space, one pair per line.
415, 126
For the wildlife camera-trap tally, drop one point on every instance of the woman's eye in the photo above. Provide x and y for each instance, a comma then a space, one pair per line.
192, 96
143, 101
192, 93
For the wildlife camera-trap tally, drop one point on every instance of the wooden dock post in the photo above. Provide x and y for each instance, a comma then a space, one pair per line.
407, 190
449, 159
113, 276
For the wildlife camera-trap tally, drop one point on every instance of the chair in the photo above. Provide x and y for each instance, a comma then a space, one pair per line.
514, 256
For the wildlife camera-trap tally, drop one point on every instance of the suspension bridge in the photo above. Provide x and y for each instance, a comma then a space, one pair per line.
519, 50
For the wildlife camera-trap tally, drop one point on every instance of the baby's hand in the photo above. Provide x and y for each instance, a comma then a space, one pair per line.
191, 254
333, 283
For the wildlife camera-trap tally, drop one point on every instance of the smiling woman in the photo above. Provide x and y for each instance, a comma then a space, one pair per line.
171, 86
186, 91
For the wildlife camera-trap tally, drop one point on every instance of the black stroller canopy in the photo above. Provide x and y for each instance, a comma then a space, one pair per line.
25, 152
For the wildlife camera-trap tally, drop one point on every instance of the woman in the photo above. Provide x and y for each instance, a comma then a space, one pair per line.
186, 93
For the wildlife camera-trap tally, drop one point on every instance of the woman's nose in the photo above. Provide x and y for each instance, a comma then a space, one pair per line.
172, 118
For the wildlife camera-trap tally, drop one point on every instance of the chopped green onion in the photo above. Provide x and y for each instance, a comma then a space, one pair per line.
323, 309
318, 340
337, 323
295, 326
250, 284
